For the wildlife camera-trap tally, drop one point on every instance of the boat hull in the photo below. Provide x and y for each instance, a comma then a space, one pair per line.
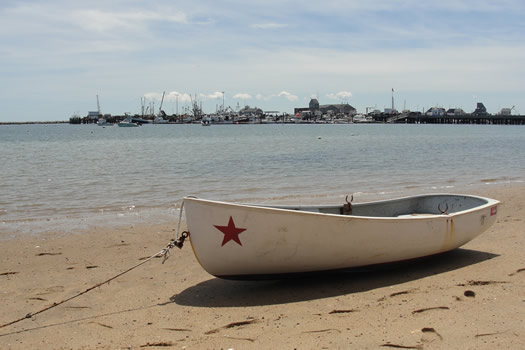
127, 124
231, 240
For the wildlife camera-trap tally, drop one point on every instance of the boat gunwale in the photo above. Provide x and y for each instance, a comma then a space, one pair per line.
302, 209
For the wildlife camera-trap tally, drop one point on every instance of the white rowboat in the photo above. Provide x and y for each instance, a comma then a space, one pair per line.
247, 241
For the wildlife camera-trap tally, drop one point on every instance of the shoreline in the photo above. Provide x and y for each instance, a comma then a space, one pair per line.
117, 218
35, 123
468, 298
445, 120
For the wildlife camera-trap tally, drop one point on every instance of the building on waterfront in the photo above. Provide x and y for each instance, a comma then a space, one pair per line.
94, 115
315, 109
247, 110
455, 112
391, 111
342, 108
506, 111
480, 110
313, 105
436, 112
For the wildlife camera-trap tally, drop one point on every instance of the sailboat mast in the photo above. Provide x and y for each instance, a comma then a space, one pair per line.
161, 102
98, 108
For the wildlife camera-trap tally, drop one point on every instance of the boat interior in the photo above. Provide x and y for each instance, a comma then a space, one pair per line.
425, 205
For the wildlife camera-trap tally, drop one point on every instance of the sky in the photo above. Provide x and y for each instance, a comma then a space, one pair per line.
57, 56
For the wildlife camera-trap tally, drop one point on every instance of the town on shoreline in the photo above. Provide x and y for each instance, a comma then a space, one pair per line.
313, 114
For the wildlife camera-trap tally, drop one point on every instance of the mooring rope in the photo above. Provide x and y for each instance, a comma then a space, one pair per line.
164, 252
180, 219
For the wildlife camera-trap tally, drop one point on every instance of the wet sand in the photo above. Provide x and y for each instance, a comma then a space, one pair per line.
471, 298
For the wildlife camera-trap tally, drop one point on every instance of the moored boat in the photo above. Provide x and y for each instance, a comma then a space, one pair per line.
246, 241
103, 122
127, 123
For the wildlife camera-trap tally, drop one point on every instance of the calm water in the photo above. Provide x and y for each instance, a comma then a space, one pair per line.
68, 177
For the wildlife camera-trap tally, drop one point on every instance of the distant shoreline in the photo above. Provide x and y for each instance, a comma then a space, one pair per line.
463, 120
28, 123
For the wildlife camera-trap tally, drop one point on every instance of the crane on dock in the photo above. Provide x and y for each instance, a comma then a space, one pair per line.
161, 112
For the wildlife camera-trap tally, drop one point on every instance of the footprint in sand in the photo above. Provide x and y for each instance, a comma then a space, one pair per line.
430, 335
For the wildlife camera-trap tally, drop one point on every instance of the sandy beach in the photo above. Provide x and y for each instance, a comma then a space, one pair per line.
470, 298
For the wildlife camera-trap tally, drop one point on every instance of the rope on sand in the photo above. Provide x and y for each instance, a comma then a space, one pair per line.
164, 252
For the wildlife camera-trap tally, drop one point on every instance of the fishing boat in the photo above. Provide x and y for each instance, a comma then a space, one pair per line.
103, 122
127, 123
249, 241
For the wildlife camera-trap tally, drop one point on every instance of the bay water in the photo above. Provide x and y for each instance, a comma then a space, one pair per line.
73, 177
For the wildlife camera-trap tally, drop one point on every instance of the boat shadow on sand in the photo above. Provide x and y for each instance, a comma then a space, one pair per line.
218, 292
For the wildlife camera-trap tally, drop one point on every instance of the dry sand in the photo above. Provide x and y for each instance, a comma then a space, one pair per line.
471, 298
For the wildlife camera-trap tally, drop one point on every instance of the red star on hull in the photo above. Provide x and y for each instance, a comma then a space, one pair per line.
231, 233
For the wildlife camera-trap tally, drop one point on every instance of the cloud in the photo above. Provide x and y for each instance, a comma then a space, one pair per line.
242, 96
283, 94
341, 95
213, 96
172, 96
270, 25
178, 97
106, 21
55, 15
288, 96
153, 96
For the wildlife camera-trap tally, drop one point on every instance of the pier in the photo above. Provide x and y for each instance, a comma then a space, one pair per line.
456, 119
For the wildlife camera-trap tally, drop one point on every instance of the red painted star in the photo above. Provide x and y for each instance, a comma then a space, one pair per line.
230, 232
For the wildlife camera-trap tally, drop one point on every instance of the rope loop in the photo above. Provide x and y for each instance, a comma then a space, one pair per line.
347, 207
443, 211
178, 242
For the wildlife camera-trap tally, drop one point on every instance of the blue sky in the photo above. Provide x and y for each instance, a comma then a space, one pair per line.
57, 55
